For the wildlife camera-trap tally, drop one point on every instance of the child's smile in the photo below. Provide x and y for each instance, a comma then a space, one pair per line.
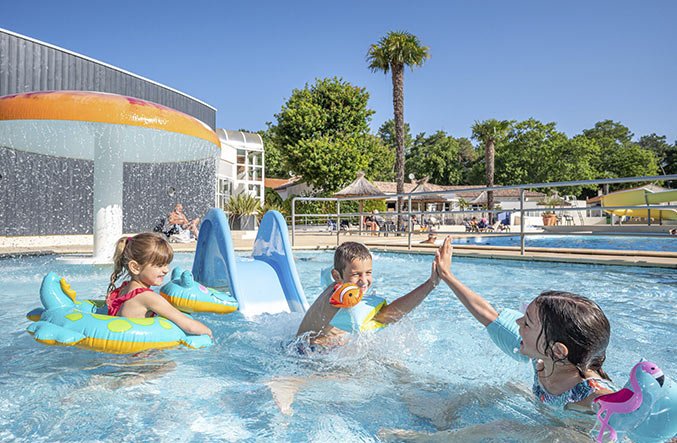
529, 330
359, 273
153, 275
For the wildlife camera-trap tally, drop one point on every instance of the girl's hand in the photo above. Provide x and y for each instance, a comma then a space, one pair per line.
443, 259
434, 275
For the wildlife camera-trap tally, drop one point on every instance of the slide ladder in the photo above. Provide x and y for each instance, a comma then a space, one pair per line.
266, 282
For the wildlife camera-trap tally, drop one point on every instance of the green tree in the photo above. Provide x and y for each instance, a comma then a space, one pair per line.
619, 156
666, 154
323, 132
387, 135
392, 53
609, 132
381, 160
436, 156
489, 132
535, 152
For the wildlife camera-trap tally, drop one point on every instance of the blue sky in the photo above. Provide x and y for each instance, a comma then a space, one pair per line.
574, 62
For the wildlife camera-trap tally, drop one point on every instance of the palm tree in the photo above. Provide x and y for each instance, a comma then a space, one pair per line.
392, 53
489, 132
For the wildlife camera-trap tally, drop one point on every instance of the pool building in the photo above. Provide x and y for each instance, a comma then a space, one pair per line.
47, 183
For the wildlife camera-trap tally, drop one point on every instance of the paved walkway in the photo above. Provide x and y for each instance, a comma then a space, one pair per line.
82, 244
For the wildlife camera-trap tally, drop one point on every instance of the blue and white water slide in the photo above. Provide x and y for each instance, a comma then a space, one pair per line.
266, 282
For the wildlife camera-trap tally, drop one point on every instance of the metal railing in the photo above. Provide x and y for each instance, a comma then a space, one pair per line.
451, 193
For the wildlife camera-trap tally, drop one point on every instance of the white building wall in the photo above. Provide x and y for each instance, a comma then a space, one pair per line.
241, 166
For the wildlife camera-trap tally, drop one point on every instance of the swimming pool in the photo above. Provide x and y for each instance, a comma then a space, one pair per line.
631, 243
436, 371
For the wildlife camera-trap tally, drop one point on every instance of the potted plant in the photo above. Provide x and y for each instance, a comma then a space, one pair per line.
242, 209
549, 217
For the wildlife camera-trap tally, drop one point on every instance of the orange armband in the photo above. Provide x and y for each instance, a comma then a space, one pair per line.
346, 295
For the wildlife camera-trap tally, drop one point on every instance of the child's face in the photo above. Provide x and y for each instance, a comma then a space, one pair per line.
530, 329
357, 272
152, 275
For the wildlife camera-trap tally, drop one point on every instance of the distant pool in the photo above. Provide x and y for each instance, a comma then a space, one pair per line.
631, 243
435, 371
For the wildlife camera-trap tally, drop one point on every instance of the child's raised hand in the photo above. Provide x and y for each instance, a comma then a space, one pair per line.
434, 274
443, 258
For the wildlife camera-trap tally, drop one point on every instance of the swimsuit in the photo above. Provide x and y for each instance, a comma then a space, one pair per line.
115, 302
504, 332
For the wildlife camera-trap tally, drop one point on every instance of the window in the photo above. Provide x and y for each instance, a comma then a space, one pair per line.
224, 191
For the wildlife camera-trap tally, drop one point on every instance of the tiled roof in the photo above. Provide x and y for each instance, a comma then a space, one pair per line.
285, 183
274, 182
391, 188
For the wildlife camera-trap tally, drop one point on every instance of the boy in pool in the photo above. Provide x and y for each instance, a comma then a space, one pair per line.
352, 264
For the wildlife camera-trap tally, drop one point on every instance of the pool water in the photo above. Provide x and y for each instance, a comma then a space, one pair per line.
435, 372
631, 243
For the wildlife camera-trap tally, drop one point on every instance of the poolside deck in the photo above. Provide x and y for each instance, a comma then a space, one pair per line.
82, 244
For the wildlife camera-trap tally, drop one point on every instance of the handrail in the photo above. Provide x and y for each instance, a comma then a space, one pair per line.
451, 193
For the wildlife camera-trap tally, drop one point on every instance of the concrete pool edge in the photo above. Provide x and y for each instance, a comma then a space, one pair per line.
599, 257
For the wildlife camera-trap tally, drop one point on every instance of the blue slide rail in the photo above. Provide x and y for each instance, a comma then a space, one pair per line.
266, 282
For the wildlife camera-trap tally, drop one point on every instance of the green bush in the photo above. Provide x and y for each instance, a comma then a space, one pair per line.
243, 204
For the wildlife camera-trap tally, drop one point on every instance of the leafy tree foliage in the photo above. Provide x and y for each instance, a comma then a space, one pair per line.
438, 157
387, 135
619, 156
666, 154
323, 132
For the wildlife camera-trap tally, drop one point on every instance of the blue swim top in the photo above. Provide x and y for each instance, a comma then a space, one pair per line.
504, 332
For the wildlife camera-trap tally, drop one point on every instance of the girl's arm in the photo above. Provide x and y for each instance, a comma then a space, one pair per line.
156, 303
478, 306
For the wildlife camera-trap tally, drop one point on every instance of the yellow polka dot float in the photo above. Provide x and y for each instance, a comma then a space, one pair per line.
68, 321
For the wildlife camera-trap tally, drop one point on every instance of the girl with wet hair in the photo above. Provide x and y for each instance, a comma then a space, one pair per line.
563, 335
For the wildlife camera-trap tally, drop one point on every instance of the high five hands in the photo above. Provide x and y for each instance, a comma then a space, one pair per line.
442, 262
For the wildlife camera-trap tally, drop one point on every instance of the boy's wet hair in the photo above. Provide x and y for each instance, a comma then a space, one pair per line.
347, 252
145, 248
578, 323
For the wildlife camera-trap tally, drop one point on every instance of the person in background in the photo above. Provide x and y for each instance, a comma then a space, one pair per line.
181, 223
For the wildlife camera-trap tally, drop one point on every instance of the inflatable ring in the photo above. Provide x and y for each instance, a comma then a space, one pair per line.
67, 321
187, 295
644, 410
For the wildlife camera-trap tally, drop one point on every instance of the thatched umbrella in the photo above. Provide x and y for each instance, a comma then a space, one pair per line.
481, 199
422, 186
361, 187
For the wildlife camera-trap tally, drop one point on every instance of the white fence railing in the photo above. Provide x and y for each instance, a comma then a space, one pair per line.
405, 215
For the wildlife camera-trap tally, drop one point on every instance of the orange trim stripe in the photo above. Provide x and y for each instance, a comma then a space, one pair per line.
102, 108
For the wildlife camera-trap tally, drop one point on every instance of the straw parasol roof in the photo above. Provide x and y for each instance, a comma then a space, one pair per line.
481, 199
422, 186
361, 187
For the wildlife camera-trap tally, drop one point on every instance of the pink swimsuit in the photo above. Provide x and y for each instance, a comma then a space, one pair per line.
115, 302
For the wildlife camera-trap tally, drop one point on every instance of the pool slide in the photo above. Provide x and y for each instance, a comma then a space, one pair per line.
266, 282
641, 197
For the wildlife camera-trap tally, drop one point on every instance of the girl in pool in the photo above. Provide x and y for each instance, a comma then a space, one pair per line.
145, 259
564, 336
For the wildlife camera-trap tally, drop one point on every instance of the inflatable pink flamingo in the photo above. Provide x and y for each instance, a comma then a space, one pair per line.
625, 400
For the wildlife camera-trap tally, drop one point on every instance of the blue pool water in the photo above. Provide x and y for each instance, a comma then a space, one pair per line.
434, 372
648, 243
